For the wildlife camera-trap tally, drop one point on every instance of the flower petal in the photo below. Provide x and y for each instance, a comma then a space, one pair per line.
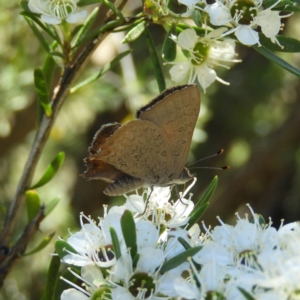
246, 35
79, 15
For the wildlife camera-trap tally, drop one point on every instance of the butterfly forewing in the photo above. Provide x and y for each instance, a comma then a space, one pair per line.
175, 112
151, 150
139, 149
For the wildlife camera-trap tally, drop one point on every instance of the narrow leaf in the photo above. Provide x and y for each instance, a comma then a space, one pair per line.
158, 72
169, 47
106, 68
289, 44
51, 205
57, 53
271, 56
109, 26
42, 90
115, 242
87, 2
134, 33
179, 259
208, 193
202, 204
288, 8
33, 204
51, 170
129, 232
246, 294
197, 215
61, 247
111, 6
52, 279
38, 34
84, 30
48, 69
197, 18
184, 243
50, 30
135, 260
24, 6
41, 245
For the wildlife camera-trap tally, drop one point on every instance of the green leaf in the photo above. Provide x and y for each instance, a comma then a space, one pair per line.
129, 232
158, 72
289, 44
135, 260
51, 205
51, 170
202, 204
24, 6
38, 34
106, 68
57, 53
111, 6
109, 26
33, 204
115, 242
48, 69
169, 47
52, 278
84, 30
61, 247
271, 56
184, 243
50, 30
42, 90
179, 259
246, 294
283, 5
288, 8
182, 26
197, 18
134, 33
41, 245
87, 2
196, 216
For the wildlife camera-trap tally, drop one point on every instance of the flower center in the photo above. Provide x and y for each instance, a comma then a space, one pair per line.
200, 52
141, 283
249, 258
61, 8
214, 295
106, 254
243, 11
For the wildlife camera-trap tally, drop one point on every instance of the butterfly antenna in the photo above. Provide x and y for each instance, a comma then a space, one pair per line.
212, 168
210, 156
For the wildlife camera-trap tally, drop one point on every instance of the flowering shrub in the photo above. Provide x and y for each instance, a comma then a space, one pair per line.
167, 258
152, 246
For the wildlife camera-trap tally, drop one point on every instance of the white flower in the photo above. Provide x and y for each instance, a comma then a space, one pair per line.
55, 11
73, 294
203, 54
245, 16
143, 281
93, 243
93, 280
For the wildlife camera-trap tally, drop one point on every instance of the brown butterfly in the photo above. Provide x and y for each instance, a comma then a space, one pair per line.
152, 149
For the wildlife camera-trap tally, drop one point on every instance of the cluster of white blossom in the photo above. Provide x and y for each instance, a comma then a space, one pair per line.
208, 38
251, 260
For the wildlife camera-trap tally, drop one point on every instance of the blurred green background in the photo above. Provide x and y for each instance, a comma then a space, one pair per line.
256, 120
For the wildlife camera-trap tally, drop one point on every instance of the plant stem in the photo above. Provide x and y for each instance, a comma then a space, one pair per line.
61, 92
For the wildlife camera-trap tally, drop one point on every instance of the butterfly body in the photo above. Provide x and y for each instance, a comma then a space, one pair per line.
150, 150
